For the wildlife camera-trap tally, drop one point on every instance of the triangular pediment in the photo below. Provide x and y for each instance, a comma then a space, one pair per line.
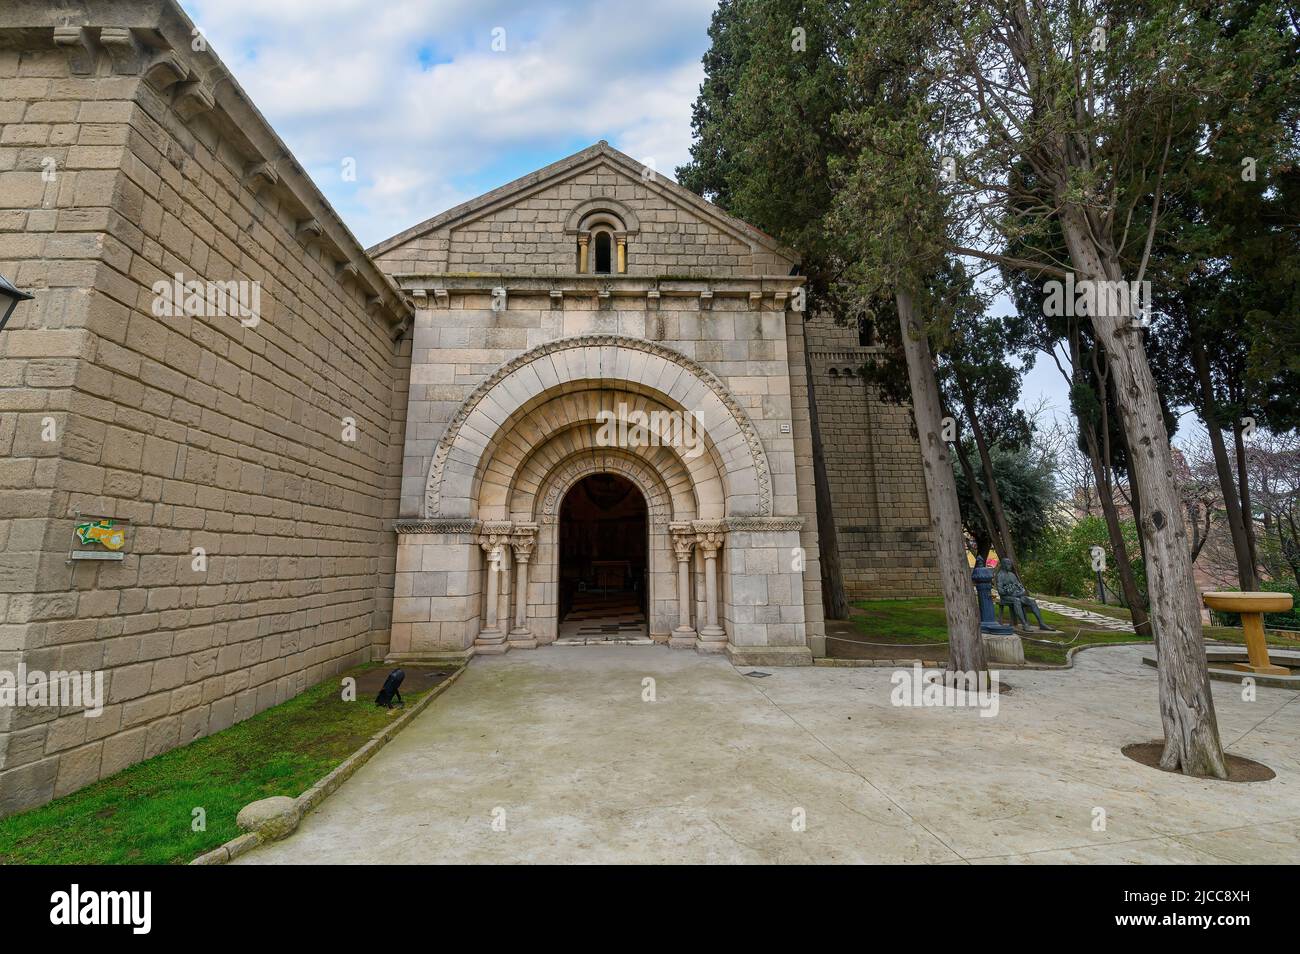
529, 224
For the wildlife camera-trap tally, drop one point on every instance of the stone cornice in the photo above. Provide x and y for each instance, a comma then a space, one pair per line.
861, 353
155, 40
441, 286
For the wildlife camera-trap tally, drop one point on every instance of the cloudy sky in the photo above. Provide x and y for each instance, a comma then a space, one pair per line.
438, 101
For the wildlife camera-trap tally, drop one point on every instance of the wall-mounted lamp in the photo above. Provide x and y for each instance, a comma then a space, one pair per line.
9, 299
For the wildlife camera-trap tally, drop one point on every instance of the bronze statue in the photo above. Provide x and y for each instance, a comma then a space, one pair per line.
1012, 593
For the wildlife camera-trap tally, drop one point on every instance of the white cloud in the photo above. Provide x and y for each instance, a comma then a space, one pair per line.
415, 94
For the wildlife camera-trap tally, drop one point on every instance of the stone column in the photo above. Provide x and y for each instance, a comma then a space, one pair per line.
491, 638
709, 537
583, 241
683, 536
622, 254
504, 589
523, 540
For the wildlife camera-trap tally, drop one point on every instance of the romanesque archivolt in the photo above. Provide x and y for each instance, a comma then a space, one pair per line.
757, 457
658, 502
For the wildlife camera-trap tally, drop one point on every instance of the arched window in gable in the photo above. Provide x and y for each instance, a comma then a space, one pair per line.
602, 255
602, 228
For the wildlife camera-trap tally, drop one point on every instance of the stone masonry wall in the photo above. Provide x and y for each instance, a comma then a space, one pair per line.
529, 237
533, 231
873, 465
202, 432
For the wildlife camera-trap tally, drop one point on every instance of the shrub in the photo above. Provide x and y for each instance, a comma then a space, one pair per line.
1061, 562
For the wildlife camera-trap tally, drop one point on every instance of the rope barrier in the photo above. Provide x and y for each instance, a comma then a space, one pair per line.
857, 642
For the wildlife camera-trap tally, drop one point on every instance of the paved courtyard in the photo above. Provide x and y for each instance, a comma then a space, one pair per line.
558, 748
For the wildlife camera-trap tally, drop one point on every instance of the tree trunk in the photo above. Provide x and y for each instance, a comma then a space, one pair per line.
1231, 502
1118, 545
976, 494
1098, 441
1199, 536
965, 645
834, 602
1006, 546
1134, 492
1247, 511
1186, 705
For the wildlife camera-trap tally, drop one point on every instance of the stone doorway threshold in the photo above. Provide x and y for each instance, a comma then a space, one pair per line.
597, 620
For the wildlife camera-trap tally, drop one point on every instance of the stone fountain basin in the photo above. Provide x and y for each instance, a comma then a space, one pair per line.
1249, 602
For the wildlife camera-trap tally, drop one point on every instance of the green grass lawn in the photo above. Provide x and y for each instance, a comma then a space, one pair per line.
143, 814
919, 622
1227, 634
922, 621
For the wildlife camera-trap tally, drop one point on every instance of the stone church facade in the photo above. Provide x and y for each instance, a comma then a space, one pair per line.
589, 291
390, 461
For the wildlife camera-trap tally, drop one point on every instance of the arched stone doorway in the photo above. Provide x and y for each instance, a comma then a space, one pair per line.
481, 571
604, 575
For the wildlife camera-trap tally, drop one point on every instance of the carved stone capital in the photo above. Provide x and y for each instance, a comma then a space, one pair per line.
709, 536
493, 536
524, 539
683, 536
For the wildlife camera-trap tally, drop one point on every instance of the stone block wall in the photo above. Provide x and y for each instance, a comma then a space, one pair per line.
202, 431
873, 465
763, 585
527, 236
439, 591
533, 232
